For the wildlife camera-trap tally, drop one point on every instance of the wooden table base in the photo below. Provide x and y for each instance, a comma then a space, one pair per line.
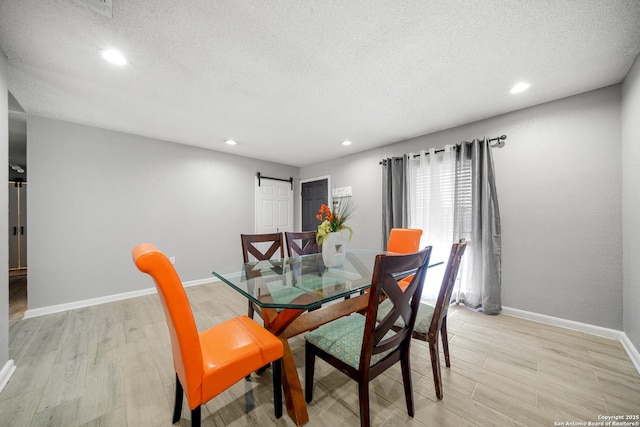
291, 322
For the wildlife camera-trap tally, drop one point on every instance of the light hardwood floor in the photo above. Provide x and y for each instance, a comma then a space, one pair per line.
110, 365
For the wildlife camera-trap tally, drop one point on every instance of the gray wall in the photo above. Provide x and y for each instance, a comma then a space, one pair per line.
559, 184
631, 202
4, 204
94, 194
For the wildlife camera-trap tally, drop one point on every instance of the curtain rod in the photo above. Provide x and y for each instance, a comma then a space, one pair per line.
499, 143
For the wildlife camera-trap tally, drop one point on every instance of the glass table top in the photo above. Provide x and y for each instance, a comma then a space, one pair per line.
302, 282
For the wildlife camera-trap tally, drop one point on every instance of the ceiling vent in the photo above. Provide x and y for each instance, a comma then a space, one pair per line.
102, 6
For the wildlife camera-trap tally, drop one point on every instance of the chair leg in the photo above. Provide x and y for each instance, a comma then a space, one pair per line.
277, 388
309, 369
406, 379
363, 391
250, 310
177, 406
435, 365
445, 342
195, 416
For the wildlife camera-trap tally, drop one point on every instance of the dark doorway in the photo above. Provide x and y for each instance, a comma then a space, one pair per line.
314, 194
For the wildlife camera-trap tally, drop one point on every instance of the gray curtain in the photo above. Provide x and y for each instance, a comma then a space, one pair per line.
484, 284
395, 209
477, 220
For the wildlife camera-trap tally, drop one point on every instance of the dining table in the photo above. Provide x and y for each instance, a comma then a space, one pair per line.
298, 294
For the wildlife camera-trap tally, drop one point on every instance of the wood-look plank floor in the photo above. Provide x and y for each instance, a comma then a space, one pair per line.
110, 365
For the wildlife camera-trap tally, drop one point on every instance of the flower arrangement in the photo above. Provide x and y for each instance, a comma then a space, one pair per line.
334, 220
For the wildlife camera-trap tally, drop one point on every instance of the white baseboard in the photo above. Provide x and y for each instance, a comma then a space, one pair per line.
6, 372
563, 323
628, 346
42, 311
631, 350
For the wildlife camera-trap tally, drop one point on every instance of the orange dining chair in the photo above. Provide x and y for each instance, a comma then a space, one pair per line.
363, 347
209, 362
301, 243
432, 319
404, 241
260, 247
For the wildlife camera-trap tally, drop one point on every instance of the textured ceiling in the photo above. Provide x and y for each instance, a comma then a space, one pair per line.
290, 79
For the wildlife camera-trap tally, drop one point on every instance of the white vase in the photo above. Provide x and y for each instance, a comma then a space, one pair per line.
334, 249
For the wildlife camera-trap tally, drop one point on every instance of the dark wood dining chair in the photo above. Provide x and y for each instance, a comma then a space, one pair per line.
260, 247
363, 347
432, 319
301, 243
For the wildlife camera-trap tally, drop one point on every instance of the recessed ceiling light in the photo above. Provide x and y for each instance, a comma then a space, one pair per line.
520, 87
114, 57
230, 142
346, 142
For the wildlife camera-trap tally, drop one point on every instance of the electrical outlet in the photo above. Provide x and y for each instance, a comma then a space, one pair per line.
172, 260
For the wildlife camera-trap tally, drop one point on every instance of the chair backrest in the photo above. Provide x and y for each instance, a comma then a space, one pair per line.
404, 240
262, 251
446, 289
405, 303
185, 341
307, 245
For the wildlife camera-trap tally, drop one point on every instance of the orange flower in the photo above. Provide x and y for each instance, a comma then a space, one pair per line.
333, 221
325, 214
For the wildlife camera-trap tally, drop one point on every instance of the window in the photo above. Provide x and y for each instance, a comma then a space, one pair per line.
440, 204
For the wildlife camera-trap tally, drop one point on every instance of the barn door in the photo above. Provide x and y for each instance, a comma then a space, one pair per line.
274, 206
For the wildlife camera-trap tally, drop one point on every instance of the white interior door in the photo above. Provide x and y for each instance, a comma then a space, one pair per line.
274, 206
